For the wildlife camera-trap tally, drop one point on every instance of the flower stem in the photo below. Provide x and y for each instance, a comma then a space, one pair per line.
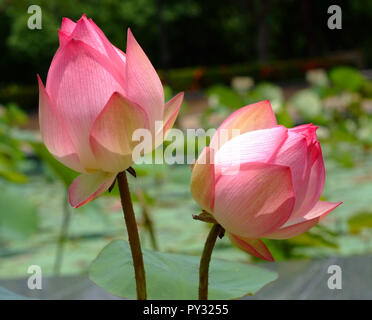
133, 237
205, 260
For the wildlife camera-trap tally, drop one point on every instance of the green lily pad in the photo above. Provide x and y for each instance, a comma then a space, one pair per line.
174, 276
360, 221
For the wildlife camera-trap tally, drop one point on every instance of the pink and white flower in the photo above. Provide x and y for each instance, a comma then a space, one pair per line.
95, 97
275, 193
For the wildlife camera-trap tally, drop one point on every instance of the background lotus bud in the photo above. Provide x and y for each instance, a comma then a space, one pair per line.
95, 97
275, 191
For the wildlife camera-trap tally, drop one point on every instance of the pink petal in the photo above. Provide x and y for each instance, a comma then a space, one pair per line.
254, 247
115, 54
121, 55
143, 83
80, 82
111, 133
254, 146
88, 32
255, 201
88, 187
85, 32
67, 26
54, 132
308, 131
255, 116
312, 189
202, 180
293, 153
171, 111
63, 38
295, 228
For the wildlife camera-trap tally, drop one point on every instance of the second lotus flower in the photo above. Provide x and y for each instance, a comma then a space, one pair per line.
95, 97
265, 182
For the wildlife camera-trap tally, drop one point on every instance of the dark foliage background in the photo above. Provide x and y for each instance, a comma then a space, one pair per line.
183, 33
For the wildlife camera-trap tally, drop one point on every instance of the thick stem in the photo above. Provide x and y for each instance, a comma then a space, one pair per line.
206, 259
133, 237
62, 235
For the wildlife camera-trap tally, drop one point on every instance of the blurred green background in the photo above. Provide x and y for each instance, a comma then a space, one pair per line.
224, 55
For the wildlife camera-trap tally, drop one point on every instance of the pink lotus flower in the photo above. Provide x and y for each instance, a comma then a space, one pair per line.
277, 176
96, 96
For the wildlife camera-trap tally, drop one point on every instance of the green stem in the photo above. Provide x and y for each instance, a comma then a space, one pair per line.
206, 259
133, 237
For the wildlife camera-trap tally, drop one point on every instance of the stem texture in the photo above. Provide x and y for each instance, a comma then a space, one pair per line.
206, 259
133, 237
